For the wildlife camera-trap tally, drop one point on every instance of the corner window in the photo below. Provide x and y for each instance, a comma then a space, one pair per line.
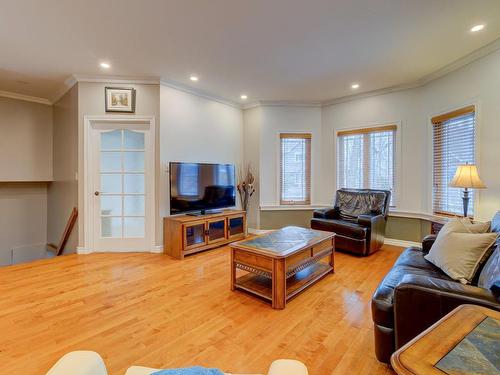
295, 168
454, 143
366, 158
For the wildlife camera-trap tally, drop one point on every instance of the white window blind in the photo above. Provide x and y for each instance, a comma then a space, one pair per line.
454, 139
366, 158
295, 168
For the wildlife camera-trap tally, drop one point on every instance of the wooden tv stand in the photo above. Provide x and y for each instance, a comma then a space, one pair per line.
184, 234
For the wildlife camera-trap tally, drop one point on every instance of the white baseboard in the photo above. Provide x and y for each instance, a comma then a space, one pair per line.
158, 249
83, 250
402, 243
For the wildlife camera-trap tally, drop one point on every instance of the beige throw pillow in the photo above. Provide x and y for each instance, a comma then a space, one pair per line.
458, 251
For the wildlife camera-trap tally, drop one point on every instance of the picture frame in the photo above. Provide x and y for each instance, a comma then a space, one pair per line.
119, 99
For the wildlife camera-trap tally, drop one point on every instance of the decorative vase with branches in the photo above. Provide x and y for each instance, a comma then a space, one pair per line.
245, 186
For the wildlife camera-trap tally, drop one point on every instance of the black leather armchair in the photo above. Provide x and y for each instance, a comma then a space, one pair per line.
358, 219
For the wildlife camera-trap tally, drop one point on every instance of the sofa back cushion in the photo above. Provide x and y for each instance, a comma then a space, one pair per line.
354, 202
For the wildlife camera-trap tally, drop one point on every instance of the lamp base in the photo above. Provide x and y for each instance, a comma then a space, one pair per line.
466, 199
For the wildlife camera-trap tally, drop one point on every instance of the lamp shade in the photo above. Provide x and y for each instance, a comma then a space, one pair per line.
466, 176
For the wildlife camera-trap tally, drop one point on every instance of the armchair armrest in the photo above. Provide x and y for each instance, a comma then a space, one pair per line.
420, 301
81, 362
427, 243
326, 213
370, 220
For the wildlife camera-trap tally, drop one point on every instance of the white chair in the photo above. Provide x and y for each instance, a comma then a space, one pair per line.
90, 363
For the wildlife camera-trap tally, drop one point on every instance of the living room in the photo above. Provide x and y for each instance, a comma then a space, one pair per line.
257, 188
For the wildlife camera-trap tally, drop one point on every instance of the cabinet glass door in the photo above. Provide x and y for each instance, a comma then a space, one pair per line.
236, 226
194, 235
216, 230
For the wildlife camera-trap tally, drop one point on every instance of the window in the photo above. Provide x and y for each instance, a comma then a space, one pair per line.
454, 137
295, 168
366, 158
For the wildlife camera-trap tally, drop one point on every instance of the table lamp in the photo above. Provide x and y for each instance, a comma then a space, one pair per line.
467, 177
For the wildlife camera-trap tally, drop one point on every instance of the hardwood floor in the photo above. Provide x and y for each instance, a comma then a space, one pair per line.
151, 310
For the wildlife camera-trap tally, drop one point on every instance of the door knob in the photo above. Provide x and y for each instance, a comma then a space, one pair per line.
96, 193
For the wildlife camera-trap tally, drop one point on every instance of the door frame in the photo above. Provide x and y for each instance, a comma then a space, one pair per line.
88, 175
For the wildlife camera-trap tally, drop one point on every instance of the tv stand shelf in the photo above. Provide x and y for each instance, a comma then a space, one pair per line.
186, 234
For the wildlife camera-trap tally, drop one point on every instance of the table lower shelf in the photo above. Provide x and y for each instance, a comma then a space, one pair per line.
262, 286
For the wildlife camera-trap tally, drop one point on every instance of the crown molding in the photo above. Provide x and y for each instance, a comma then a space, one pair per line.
68, 85
283, 103
131, 80
447, 69
201, 93
26, 98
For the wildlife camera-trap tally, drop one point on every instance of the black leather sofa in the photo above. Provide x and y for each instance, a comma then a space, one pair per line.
358, 219
415, 294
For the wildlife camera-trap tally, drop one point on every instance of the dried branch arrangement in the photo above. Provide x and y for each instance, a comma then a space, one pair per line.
245, 185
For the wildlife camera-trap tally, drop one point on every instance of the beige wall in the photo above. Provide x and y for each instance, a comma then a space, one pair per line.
23, 220
398, 228
25, 141
91, 103
62, 193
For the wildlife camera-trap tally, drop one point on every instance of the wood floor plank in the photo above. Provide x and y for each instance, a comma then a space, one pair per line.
151, 310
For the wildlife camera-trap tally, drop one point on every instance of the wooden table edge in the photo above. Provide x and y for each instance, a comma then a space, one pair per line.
396, 363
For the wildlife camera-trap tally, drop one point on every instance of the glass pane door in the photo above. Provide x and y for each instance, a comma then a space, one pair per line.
216, 230
122, 184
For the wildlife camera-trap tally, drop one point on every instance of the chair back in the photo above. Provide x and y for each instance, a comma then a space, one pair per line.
354, 202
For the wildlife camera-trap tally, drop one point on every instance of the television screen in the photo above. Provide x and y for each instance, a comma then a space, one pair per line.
201, 187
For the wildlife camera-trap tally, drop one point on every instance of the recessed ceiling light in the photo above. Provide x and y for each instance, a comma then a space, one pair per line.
243, 97
194, 78
476, 28
105, 65
355, 86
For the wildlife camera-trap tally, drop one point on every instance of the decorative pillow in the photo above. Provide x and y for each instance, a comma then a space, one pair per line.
460, 254
476, 227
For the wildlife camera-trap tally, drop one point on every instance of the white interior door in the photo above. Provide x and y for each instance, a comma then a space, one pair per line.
123, 187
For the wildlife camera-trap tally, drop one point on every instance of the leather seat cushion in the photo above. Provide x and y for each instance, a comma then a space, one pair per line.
382, 301
342, 227
413, 257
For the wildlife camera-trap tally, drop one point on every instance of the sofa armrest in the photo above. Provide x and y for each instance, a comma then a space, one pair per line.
420, 301
427, 243
287, 367
326, 213
80, 362
369, 221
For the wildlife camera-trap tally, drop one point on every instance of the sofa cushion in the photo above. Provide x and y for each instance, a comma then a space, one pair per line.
414, 257
491, 270
352, 203
341, 227
459, 255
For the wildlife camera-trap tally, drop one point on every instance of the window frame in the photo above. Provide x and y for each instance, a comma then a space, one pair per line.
298, 135
442, 116
397, 125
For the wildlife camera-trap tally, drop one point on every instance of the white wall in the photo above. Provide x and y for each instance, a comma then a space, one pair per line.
195, 129
402, 108
476, 83
278, 119
252, 129
25, 141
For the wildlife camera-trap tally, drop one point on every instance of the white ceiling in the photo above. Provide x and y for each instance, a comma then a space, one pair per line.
269, 49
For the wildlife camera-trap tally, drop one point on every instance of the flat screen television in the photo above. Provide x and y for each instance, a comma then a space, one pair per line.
201, 188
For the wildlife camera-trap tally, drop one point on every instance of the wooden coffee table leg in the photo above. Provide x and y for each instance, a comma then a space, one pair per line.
233, 270
279, 284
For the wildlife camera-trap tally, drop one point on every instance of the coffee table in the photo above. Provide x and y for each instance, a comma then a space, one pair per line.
462, 342
282, 263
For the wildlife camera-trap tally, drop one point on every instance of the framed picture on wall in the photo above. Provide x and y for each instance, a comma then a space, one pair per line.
120, 99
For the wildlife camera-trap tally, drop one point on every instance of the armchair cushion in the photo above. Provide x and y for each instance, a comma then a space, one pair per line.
326, 213
341, 227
